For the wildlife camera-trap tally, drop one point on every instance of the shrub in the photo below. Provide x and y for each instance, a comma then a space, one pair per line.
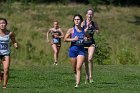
126, 56
102, 52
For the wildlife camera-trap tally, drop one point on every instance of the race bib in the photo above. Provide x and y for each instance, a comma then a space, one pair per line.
3, 46
55, 40
79, 42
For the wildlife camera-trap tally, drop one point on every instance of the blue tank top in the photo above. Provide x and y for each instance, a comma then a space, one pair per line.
80, 35
4, 44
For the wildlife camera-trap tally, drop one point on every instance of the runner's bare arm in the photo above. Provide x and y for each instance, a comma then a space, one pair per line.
62, 34
47, 35
12, 37
97, 27
67, 36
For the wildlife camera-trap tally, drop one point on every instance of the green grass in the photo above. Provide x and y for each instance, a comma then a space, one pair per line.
118, 25
60, 79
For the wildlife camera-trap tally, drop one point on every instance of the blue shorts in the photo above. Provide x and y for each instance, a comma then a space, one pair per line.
74, 51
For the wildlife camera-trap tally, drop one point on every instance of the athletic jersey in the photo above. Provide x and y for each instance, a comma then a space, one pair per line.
80, 35
56, 40
4, 44
77, 47
89, 33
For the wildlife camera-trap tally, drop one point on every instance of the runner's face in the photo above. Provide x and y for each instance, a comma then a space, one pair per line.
89, 15
77, 20
55, 24
2, 24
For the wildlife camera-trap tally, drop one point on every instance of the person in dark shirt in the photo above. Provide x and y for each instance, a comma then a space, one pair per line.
90, 28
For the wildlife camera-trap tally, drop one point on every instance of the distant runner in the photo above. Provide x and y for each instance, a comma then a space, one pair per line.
57, 34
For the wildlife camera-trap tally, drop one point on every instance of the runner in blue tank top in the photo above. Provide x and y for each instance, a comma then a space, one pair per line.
89, 44
5, 37
77, 47
75, 35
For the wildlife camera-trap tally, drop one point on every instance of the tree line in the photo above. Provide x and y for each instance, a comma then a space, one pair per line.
106, 2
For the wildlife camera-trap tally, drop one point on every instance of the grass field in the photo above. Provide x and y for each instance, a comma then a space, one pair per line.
31, 68
60, 79
119, 28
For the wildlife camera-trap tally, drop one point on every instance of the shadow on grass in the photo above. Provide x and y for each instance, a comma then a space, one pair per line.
136, 21
107, 85
27, 87
131, 77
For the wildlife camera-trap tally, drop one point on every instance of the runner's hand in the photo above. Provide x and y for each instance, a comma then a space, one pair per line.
75, 38
16, 45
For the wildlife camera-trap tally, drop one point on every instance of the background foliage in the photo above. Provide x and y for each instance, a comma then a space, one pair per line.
115, 2
117, 42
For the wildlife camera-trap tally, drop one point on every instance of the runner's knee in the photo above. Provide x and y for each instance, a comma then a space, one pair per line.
90, 59
6, 70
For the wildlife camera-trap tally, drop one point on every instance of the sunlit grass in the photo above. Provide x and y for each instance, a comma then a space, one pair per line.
60, 79
119, 25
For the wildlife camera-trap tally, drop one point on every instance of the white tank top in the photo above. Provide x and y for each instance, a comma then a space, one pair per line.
4, 44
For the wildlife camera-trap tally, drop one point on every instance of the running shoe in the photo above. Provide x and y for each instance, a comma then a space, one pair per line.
4, 86
76, 86
91, 81
55, 63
